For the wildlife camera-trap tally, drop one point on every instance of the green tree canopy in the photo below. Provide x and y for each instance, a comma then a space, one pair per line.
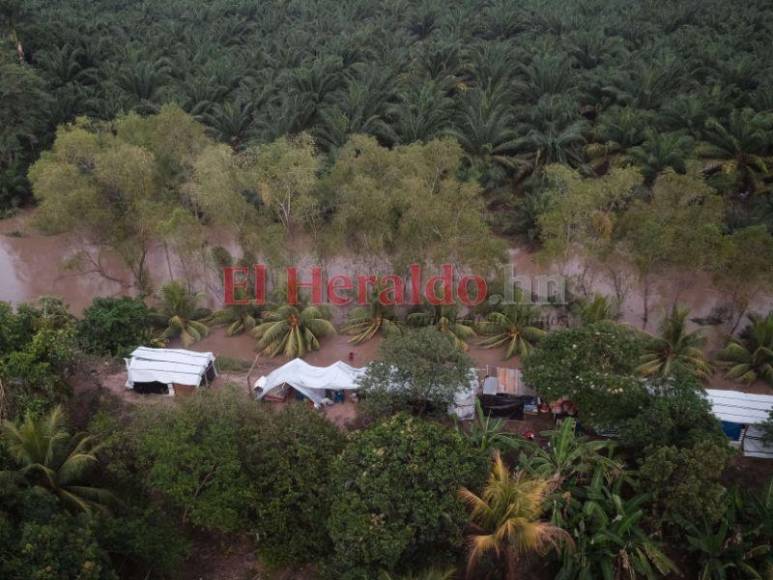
395, 506
420, 370
593, 366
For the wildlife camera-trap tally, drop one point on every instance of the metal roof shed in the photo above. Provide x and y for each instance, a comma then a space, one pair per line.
747, 410
169, 366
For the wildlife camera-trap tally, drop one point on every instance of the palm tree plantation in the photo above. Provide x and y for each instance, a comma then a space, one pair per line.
532, 241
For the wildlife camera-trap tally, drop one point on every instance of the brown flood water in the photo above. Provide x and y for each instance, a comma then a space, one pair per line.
32, 265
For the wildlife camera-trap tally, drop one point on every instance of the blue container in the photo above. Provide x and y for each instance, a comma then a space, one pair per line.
732, 430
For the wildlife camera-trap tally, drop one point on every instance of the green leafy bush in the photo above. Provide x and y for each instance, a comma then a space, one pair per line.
192, 455
114, 326
395, 505
289, 468
675, 413
686, 482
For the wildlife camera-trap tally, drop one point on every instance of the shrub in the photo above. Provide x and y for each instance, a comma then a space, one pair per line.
686, 482
396, 506
675, 414
114, 326
192, 455
289, 467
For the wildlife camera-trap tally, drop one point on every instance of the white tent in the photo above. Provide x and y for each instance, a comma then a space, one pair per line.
313, 381
464, 400
169, 366
747, 410
310, 380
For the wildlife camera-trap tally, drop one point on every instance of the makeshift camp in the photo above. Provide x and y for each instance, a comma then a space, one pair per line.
313, 382
740, 413
506, 380
158, 370
309, 380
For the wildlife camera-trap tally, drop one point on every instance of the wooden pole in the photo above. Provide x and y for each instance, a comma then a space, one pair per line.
249, 373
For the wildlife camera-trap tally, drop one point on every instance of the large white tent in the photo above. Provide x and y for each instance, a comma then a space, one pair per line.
169, 366
310, 380
746, 410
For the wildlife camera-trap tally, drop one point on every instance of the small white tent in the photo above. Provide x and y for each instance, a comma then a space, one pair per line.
169, 366
746, 411
310, 380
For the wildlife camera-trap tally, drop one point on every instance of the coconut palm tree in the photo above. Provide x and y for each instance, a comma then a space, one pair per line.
599, 309
743, 140
292, 331
446, 320
750, 356
505, 518
514, 327
179, 310
365, 322
675, 349
49, 457
238, 318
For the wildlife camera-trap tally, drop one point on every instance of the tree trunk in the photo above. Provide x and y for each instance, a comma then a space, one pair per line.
645, 296
511, 565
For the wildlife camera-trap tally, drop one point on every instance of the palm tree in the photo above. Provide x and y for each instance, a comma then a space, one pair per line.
179, 310
292, 331
483, 126
555, 133
599, 309
365, 322
675, 349
445, 319
232, 122
744, 140
422, 113
568, 456
661, 151
238, 318
487, 433
750, 356
514, 327
49, 457
505, 518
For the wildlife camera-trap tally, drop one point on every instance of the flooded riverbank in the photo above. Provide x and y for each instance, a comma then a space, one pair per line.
33, 265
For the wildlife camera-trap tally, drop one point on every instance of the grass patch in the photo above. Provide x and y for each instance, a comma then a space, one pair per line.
233, 365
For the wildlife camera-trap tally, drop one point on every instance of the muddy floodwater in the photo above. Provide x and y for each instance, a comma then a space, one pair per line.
33, 265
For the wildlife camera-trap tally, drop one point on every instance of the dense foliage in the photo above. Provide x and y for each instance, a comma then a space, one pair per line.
418, 371
37, 348
290, 465
593, 366
114, 326
395, 506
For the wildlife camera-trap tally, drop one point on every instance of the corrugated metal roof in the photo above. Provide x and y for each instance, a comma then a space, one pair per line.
739, 407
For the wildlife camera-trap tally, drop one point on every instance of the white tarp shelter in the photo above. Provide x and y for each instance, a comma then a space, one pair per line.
746, 410
313, 381
170, 366
309, 380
